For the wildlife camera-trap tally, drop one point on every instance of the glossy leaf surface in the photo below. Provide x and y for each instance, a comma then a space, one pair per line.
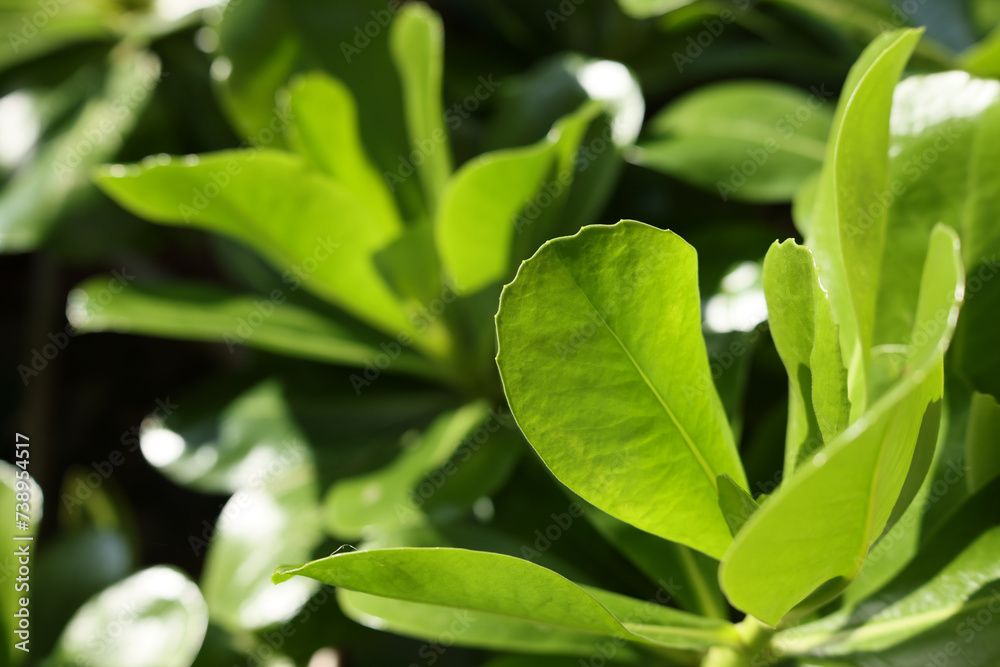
606, 373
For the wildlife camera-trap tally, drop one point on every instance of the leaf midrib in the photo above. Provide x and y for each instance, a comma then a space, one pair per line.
666, 408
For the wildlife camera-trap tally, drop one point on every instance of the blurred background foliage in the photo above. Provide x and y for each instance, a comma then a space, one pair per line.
89, 82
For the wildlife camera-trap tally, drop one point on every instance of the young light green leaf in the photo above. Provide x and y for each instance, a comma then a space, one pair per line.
847, 229
200, 311
942, 169
642, 9
417, 46
805, 335
509, 587
983, 58
161, 601
736, 504
749, 140
325, 131
312, 228
478, 217
817, 528
606, 373
385, 496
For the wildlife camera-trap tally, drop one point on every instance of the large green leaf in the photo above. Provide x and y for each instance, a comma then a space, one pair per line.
805, 335
509, 587
938, 611
385, 495
748, 140
606, 373
417, 47
155, 618
326, 131
196, 311
819, 525
10, 476
847, 228
315, 230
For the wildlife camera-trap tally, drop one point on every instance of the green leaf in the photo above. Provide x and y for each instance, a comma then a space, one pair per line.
736, 504
417, 45
819, 525
161, 601
42, 189
385, 496
10, 475
303, 222
478, 219
326, 132
805, 335
942, 604
200, 311
471, 628
751, 141
983, 58
943, 169
642, 9
606, 373
267, 41
848, 224
508, 587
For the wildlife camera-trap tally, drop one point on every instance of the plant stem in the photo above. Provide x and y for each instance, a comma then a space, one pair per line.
754, 637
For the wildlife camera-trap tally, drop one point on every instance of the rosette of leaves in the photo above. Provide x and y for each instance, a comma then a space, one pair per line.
879, 545
382, 266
